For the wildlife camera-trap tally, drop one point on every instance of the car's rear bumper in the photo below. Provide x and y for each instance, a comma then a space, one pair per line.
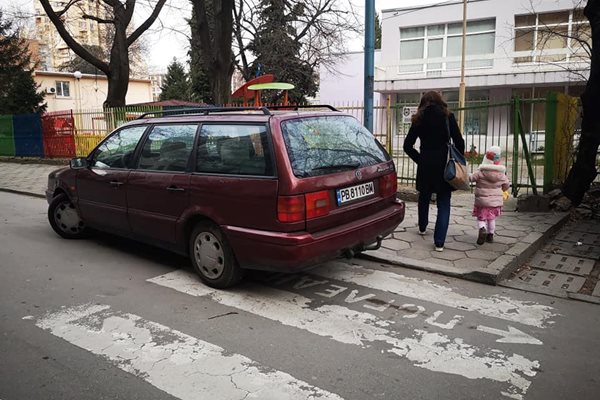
296, 251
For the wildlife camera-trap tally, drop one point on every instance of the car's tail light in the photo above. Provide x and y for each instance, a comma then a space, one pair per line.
317, 204
388, 185
290, 208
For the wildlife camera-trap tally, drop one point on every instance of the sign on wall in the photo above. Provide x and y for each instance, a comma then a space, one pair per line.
407, 113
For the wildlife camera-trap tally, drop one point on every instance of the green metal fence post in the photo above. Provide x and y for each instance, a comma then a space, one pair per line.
515, 156
549, 140
527, 157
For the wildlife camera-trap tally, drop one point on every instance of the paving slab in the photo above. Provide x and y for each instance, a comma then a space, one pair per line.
573, 249
517, 238
562, 263
573, 236
596, 291
552, 280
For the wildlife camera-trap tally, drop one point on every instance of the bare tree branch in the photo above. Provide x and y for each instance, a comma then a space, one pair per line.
146, 24
70, 41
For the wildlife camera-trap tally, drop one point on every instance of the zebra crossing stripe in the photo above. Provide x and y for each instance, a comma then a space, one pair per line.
429, 350
524, 312
176, 363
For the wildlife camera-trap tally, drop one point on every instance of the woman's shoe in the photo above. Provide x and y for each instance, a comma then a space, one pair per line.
481, 237
423, 233
440, 249
489, 238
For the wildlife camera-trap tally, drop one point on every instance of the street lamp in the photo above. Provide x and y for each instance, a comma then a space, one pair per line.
78, 75
461, 89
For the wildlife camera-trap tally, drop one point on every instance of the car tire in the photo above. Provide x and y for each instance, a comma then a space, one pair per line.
212, 257
64, 218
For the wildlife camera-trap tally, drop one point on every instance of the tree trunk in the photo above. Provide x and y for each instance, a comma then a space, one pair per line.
216, 37
118, 77
583, 172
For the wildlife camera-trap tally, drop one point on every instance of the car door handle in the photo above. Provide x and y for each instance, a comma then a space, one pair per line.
175, 189
116, 184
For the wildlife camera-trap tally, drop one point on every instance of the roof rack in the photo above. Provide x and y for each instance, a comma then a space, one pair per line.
296, 107
204, 111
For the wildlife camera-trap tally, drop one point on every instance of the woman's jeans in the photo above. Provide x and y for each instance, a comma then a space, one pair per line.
443, 215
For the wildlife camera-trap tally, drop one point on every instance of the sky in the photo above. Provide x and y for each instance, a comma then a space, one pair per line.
167, 38
167, 43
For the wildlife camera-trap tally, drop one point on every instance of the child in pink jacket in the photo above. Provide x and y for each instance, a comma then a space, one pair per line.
491, 182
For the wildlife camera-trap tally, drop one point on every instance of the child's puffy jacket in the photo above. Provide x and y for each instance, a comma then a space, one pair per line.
491, 181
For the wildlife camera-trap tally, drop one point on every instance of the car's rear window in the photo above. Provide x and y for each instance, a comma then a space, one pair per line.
323, 145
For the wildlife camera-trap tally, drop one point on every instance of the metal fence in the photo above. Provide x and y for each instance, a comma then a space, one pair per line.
523, 128
538, 136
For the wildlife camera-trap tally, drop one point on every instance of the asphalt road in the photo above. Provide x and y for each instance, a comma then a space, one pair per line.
106, 318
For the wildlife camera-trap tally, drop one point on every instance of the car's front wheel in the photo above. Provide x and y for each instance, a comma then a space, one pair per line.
212, 257
65, 219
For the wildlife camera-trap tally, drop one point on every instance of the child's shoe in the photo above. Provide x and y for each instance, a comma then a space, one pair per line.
482, 235
489, 238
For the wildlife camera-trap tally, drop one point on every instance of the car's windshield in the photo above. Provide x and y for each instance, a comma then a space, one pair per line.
322, 145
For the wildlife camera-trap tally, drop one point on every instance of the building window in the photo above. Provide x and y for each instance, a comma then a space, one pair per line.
551, 37
437, 48
62, 89
476, 118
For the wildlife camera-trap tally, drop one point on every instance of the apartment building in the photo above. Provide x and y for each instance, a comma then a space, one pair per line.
53, 51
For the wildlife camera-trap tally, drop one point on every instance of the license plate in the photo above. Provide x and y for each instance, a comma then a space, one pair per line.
355, 192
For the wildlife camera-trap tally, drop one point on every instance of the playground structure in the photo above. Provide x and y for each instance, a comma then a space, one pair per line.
251, 91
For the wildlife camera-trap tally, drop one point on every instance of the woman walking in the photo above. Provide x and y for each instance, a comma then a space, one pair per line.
433, 125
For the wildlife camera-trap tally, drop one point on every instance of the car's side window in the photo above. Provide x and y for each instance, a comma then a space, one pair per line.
234, 149
118, 150
168, 148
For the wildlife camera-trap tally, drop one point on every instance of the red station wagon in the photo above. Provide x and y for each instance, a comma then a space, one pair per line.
234, 188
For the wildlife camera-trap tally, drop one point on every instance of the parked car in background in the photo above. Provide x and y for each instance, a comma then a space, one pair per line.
234, 189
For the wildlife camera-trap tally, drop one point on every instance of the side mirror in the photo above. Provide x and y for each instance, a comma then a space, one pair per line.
79, 163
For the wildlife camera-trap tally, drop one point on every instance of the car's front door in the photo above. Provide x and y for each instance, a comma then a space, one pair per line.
158, 189
101, 188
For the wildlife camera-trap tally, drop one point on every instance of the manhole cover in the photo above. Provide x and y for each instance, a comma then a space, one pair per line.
562, 263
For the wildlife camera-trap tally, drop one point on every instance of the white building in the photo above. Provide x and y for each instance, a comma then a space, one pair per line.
343, 84
65, 92
518, 48
511, 51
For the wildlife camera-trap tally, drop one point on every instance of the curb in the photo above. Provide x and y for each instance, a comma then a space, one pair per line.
22, 192
496, 271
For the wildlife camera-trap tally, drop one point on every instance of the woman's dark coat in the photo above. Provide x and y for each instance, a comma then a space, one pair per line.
433, 153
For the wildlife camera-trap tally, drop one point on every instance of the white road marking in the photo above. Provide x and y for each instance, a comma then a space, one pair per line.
449, 325
524, 312
432, 351
513, 335
176, 363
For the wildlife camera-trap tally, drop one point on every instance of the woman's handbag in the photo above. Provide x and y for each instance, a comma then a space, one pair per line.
455, 172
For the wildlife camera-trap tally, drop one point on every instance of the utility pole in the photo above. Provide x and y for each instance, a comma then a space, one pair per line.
461, 89
369, 63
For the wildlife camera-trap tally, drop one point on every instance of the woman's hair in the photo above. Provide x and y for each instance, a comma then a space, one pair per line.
430, 98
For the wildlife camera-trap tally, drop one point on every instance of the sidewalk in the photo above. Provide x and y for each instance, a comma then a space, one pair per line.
518, 236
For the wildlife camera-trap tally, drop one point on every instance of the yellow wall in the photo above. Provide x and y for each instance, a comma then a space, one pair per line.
89, 92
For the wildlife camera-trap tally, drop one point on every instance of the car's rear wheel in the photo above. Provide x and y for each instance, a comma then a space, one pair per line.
64, 218
212, 257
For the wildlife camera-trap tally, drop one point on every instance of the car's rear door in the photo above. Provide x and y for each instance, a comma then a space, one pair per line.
158, 189
101, 188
